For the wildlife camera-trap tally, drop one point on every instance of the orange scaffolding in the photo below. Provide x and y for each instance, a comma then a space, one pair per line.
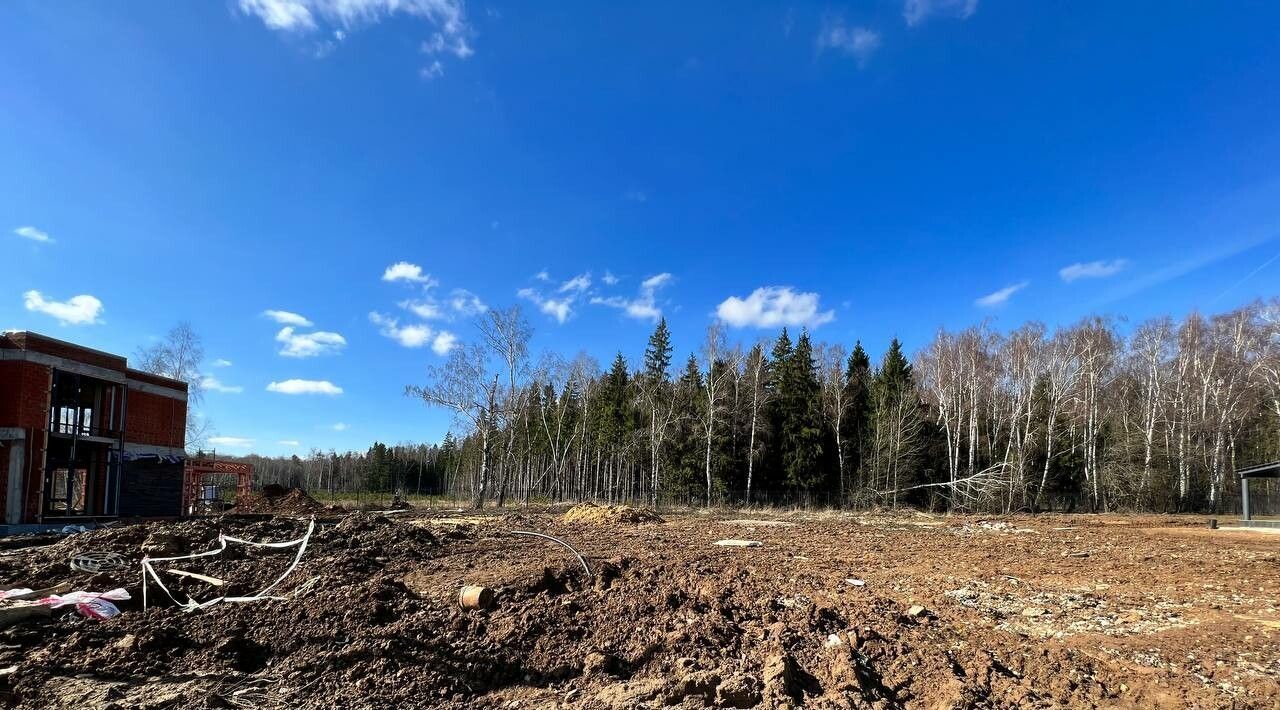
197, 474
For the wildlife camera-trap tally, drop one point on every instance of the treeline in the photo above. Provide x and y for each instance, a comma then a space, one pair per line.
1082, 418
407, 468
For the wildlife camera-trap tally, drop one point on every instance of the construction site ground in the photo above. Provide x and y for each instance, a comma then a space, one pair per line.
830, 610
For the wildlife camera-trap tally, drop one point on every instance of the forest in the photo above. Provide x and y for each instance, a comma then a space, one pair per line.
1091, 417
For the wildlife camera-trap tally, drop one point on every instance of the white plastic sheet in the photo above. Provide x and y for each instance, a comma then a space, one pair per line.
95, 605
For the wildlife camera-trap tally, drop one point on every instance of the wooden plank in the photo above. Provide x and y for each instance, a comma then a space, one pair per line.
194, 575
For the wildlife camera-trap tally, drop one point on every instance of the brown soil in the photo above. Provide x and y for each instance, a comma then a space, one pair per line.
953, 612
278, 500
609, 515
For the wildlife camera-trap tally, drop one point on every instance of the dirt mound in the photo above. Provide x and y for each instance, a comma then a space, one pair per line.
609, 515
278, 500
371, 619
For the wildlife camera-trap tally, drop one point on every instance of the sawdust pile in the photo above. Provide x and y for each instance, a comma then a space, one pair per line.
593, 514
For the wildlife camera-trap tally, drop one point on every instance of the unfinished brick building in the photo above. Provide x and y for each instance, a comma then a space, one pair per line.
83, 436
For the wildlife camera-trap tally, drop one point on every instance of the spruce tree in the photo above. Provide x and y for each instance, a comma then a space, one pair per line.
896, 421
657, 356
857, 422
803, 434
778, 385
684, 452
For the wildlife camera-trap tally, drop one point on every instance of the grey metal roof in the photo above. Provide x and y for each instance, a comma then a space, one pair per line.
1262, 470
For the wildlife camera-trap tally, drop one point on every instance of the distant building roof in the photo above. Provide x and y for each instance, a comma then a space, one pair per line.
1262, 470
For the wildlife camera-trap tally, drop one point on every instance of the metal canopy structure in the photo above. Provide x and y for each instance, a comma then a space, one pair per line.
1262, 470
203, 479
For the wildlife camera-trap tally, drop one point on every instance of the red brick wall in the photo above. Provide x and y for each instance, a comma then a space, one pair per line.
24, 394
155, 419
4, 477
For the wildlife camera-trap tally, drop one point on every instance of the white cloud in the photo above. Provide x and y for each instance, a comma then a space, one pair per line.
33, 234
290, 15
287, 318
291, 443
438, 43
320, 342
559, 308
1092, 269
581, 282
644, 306
443, 342
77, 310
296, 386
433, 70
465, 303
917, 11
414, 335
428, 309
340, 426
542, 275
222, 362
774, 306
212, 384
999, 298
412, 273
340, 17
231, 442
857, 42
609, 278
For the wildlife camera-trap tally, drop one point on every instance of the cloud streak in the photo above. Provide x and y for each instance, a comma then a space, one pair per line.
336, 19
296, 386
287, 318
999, 298
645, 304
917, 11
33, 234
857, 42
209, 383
231, 442
1092, 269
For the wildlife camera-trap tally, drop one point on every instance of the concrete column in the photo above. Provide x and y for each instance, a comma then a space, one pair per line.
16, 493
1244, 498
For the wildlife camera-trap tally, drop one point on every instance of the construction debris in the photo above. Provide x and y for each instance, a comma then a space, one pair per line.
149, 570
96, 561
472, 597
195, 575
738, 543
95, 605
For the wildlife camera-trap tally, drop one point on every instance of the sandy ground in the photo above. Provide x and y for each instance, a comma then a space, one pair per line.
831, 610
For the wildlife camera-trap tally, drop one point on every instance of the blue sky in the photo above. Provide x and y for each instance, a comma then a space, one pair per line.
866, 169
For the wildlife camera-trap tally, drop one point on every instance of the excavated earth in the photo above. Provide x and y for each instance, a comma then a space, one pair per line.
831, 611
